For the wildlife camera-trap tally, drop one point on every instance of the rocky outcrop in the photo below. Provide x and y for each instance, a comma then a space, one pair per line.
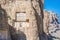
51, 24
4, 29
25, 18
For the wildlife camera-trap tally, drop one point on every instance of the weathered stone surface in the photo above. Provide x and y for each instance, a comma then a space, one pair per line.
4, 29
53, 25
31, 28
45, 22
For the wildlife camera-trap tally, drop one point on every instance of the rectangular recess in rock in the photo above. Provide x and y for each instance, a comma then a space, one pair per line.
20, 16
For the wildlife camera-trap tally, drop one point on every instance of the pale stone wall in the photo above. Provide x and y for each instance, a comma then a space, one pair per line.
45, 22
31, 8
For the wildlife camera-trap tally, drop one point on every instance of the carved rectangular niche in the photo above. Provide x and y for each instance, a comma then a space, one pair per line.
21, 20
20, 16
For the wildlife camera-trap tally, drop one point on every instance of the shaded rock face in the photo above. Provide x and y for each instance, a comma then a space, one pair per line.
4, 31
53, 26
25, 18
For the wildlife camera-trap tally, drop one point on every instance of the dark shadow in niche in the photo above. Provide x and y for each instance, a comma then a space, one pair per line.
3, 24
12, 31
16, 34
3, 18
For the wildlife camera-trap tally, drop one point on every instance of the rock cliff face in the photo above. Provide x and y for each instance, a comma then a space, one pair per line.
52, 25
4, 29
25, 18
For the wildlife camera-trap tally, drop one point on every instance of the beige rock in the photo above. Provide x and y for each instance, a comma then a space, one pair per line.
22, 18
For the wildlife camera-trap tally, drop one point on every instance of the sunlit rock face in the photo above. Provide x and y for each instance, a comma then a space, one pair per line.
45, 24
24, 18
53, 25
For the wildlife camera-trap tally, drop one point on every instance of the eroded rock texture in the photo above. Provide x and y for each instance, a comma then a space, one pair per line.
25, 18
52, 25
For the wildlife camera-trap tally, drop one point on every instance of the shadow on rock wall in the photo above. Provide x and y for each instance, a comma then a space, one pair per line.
3, 16
39, 19
19, 35
15, 34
